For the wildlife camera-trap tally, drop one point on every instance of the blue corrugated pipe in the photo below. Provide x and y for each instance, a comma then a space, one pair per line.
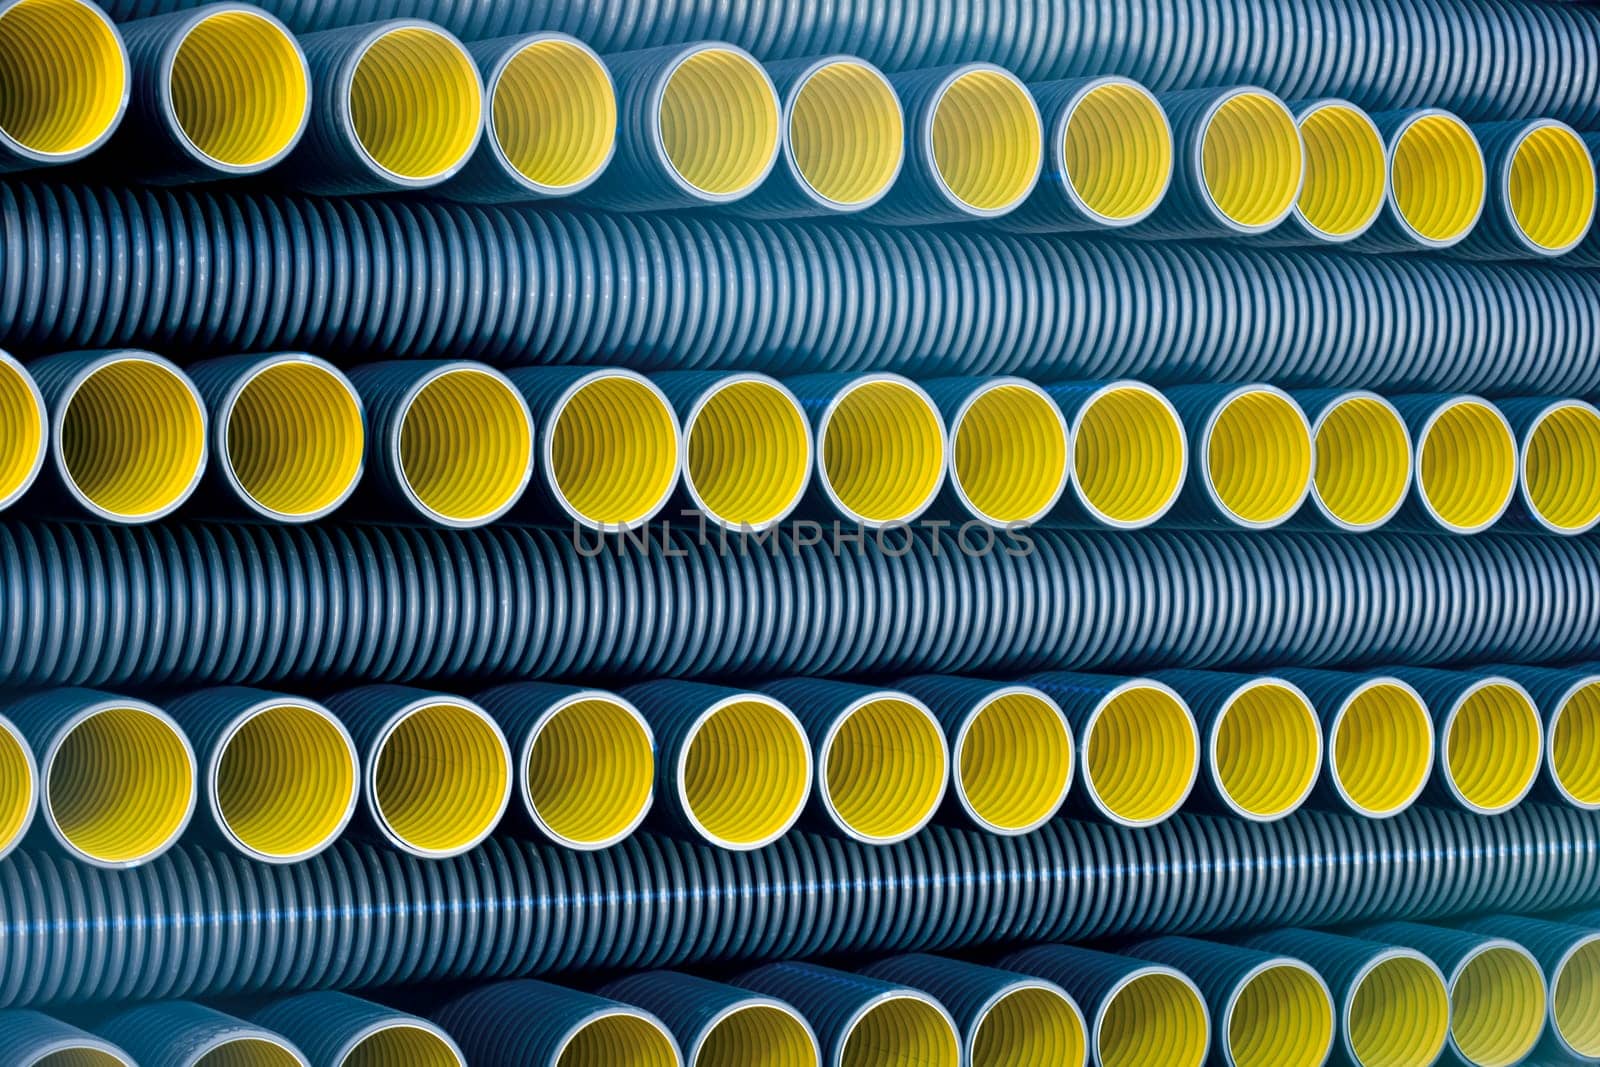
1569, 954
1541, 191
554, 1024
719, 1025
1569, 703
179, 1033
338, 1030
29, 1039
68, 82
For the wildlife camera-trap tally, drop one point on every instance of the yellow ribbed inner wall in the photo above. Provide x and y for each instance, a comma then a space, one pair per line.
749, 453
285, 780
1399, 1016
249, 1052
1117, 151
614, 451
121, 785
1345, 170
554, 114
901, 1032
745, 774
1561, 467
1437, 178
1016, 761
1141, 754
1029, 1027
758, 1035
1129, 454
415, 103
1576, 1000
22, 440
465, 445
80, 1057
1268, 750
883, 451
1383, 748
1497, 1007
413, 1046
846, 133
987, 144
886, 768
719, 122
619, 1040
1283, 1017
1251, 159
1363, 461
590, 771
441, 777
1552, 188
133, 438
295, 439
1575, 745
1154, 1019
1492, 747
1010, 454
1258, 457
1468, 465
240, 90
62, 76
17, 787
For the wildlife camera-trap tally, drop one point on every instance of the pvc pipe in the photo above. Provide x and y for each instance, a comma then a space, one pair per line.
338, 1030
1541, 199
1347, 172
67, 81
1569, 955
1466, 461
1490, 737
1130, 454
1569, 703
720, 1025
127, 432
287, 433
1380, 739
1254, 453
32, 1039
1010, 453
1363, 457
181, 1033
1437, 182
23, 444
555, 1026
1558, 470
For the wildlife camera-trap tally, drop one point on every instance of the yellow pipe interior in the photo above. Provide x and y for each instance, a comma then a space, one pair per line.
1267, 750
1576, 999
1129, 454
553, 112
1016, 761
719, 122
1575, 745
758, 1035
1383, 749
746, 772
18, 787
466, 441
886, 768
1028, 1027
1117, 151
619, 1039
133, 438
1467, 466
440, 777
1283, 1017
987, 143
883, 450
285, 780
1010, 454
1157, 1018
1492, 746
415, 103
1363, 461
1141, 754
749, 453
23, 442
1552, 187
1437, 177
249, 1052
121, 785
614, 451
1561, 467
1259, 456
1251, 159
295, 439
846, 133
80, 1057
1399, 1015
1345, 170
63, 76
1497, 1007
901, 1030
402, 1043
240, 89
590, 771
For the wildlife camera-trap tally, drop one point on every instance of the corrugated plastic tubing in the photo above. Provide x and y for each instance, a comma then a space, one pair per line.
1253, 454
1541, 198
719, 1025
1569, 704
555, 1025
1490, 738
1569, 954
1346, 174
1558, 448
26, 440
66, 83
1587, 253
1008, 449
1465, 462
29, 1039
184, 1034
1362, 460
19, 800
1130, 455
1437, 183
338, 1030
383, 279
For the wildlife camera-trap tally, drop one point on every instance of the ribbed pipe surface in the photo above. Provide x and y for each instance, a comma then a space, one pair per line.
337, 1030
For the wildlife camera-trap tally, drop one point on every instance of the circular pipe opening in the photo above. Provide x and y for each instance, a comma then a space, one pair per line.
131, 438
19, 786
1561, 467
1574, 745
1497, 1006
883, 451
465, 445
1436, 179
884, 768
611, 457
22, 445
284, 782
415, 104
1116, 152
63, 78
1381, 748
1009, 453
745, 772
293, 439
1362, 461
1258, 453
1467, 465
1029, 1025
619, 1038
763, 1033
1550, 188
414, 1044
588, 771
553, 115
1252, 163
1266, 750
1141, 753
119, 784
1281, 1016
747, 453
238, 90
845, 134
250, 1052
718, 123
985, 140
1398, 1013
1129, 457
1346, 171
1575, 999
440, 778
901, 1027
1493, 741
76, 1055
1155, 1016
1014, 761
